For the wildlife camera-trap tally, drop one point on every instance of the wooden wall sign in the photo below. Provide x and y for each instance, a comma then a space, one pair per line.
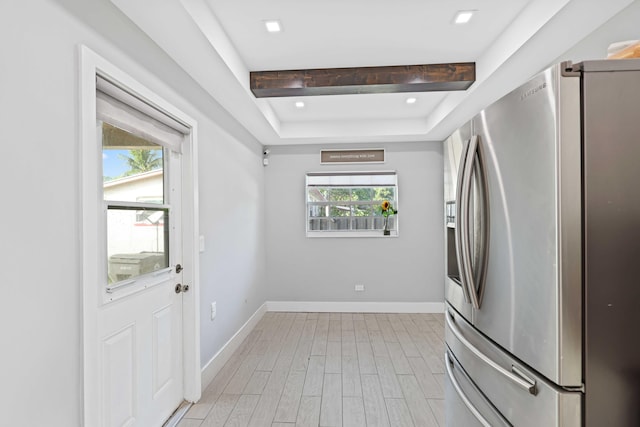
369, 155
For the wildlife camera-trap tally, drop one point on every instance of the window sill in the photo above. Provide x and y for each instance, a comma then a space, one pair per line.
339, 234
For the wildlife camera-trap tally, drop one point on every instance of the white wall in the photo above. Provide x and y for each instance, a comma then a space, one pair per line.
232, 221
404, 269
40, 307
623, 26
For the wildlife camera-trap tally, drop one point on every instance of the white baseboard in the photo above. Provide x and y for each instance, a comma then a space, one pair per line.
356, 306
216, 363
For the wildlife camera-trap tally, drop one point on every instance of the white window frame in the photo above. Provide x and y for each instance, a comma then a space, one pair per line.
350, 179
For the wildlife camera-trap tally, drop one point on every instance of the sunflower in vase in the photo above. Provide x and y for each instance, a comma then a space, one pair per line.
387, 211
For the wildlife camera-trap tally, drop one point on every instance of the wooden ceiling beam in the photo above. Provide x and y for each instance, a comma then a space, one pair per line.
344, 81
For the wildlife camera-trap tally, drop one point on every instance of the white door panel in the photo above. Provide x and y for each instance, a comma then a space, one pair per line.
163, 334
118, 385
142, 357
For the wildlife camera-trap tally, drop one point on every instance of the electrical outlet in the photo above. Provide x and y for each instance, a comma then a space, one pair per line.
359, 288
213, 310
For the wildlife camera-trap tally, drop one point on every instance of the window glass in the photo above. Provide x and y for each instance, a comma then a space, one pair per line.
363, 210
132, 167
136, 242
350, 202
317, 194
362, 193
133, 175
339, 194
384, 193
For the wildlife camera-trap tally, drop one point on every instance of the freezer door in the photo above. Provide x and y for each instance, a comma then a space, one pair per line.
464, 404
523, 398
531, 301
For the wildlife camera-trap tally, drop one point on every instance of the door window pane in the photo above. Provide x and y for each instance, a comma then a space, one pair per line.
136, 242
132, 167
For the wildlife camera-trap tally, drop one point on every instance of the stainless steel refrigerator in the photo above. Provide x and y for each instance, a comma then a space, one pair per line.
542, 193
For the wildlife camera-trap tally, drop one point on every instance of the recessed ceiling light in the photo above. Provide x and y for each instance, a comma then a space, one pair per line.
411, 100
463, 16
299, 104
273, 26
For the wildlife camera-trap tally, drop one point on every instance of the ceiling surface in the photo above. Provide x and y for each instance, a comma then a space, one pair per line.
218, 42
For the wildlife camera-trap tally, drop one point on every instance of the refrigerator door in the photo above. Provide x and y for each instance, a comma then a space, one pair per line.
531, 301
522, 397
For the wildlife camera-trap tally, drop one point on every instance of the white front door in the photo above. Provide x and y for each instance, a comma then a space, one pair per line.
140, 337
139, 317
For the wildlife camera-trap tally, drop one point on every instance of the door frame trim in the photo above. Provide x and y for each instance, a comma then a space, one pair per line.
92, 64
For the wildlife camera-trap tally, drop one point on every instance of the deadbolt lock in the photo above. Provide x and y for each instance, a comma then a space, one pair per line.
178, 268
181, 288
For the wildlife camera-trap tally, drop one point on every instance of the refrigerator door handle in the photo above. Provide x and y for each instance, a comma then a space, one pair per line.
465, 199
516, 376
483, 193
461, 394
460, 210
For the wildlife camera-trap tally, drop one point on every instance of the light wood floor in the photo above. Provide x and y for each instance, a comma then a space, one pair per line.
331, 369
